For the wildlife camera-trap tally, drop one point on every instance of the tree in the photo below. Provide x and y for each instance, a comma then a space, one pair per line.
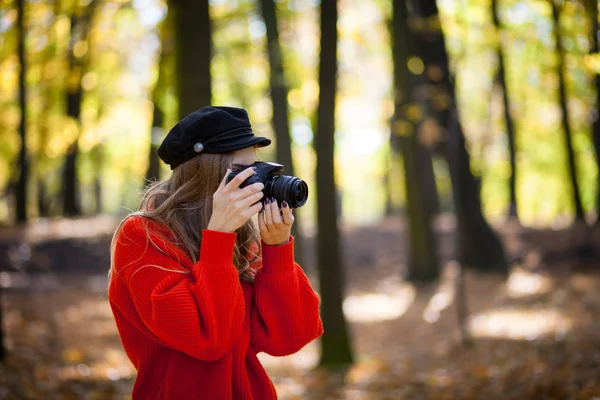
21, 187
81, 23
335, 344
279, 98
158, 114
406, 124
592, 11
478, 244
510, 126
562, 99
193, 54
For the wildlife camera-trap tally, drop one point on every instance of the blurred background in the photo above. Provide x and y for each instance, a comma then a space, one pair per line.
451, 149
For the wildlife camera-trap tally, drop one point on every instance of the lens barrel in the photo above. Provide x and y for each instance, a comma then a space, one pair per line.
290, 189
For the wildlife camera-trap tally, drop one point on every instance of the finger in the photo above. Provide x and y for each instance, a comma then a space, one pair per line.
250, 200
275, 212
261, 221
268, 212
224, 180
239, 179
250, 190
253, 210
288, 217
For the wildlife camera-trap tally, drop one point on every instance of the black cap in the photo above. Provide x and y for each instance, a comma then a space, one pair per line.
209, 130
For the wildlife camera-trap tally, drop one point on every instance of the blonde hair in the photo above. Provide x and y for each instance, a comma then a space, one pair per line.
183, 204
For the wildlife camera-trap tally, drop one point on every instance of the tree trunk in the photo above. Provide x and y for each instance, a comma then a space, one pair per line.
279, 99
387, 183
478, 244
21, 187
335, 344
562, 98
424, 159
80, 27
423, 260
156, 135
592, 10
510, 126
193, 53
2, 334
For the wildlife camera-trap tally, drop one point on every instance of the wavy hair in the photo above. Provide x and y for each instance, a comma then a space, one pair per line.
183, 204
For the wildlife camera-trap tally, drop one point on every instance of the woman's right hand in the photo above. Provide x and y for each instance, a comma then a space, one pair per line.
232, 206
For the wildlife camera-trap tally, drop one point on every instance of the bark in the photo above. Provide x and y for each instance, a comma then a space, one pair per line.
424, 159
335, 344
2, 334
387, 183
279, 98
194, 50
510, 126
478, 245
562, 99
21, 187
592, 10
158, 117
97, 155
156, 134
423, 261
80, 27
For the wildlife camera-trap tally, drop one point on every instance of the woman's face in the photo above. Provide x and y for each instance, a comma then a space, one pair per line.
244, 157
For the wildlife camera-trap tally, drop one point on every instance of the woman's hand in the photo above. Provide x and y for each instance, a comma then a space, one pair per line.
232, 206
275, 224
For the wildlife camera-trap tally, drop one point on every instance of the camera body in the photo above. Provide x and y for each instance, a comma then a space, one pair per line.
280, 187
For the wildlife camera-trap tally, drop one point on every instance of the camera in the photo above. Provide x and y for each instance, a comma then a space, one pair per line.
281, 187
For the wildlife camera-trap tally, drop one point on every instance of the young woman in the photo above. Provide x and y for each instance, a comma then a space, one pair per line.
196, 290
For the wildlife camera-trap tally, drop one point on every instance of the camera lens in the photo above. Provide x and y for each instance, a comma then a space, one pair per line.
289, 188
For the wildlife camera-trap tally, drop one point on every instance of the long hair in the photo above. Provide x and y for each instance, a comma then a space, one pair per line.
183, 204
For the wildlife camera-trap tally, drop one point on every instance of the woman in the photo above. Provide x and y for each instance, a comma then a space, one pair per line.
196, 290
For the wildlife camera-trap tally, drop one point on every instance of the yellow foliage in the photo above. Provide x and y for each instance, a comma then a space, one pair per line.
89, 138
80, 49
9, 75
402, 128
89, 80
10, 17
51, 69
592, 62
62, 26
295, 98
310, 93
414, 112
416, 65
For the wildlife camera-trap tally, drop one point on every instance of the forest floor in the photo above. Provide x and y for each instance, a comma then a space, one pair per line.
535, 335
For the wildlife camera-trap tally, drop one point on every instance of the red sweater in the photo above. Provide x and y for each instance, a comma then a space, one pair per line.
196, 335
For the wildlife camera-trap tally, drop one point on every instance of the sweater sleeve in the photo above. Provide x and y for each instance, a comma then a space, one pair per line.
285, 316
200, 313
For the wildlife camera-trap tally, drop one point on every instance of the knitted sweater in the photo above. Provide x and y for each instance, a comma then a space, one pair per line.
196, 335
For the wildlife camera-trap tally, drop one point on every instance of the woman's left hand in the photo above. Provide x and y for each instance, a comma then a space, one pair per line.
275, 223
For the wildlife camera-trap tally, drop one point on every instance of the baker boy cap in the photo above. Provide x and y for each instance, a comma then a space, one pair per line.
209, 130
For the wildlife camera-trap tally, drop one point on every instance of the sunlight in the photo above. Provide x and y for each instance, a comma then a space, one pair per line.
100, 370
305, 359
522, 283
515, 323
374, 307
444, 296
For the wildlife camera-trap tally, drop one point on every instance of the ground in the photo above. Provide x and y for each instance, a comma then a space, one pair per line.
535, 335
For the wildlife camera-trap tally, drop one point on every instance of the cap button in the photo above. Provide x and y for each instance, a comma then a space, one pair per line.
198, 147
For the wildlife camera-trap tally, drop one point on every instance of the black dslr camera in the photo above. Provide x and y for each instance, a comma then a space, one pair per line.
281, 187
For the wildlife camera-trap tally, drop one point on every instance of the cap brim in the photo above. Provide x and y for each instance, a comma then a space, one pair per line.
243, 143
